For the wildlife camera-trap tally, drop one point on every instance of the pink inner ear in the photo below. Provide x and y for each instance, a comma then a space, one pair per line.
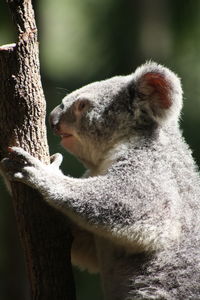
159, 89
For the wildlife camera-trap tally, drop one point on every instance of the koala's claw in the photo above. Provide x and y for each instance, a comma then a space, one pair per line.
18, 176
13, 169
22, 155
19, 165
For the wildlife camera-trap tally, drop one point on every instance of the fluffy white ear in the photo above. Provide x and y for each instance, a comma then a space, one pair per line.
159, 89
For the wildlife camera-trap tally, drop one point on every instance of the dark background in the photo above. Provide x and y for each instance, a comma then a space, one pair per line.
87, 40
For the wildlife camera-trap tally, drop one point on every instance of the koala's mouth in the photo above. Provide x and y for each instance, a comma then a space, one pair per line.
68, 140
65, 135
64, 132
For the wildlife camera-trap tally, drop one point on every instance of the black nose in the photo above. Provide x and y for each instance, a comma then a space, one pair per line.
55, 127
54, 124
54, 118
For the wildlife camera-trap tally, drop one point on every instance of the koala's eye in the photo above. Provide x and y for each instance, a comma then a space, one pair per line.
61, 106
81, 105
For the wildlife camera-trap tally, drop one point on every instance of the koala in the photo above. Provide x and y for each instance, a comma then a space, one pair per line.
135, 212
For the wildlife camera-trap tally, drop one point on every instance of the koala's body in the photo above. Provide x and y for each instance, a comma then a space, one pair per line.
135, 213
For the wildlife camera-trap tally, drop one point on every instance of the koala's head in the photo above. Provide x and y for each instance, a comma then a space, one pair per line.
92, 119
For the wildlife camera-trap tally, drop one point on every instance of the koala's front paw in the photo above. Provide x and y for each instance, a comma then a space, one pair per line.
20, 166
23, 167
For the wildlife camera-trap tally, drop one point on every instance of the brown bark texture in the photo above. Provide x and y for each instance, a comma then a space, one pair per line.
44, 232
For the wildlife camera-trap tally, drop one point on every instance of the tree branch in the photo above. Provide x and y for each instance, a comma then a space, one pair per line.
44, 232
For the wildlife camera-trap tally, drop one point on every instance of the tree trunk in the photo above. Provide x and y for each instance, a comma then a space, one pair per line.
44, 233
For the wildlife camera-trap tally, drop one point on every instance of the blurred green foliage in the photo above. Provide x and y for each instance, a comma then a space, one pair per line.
86, 40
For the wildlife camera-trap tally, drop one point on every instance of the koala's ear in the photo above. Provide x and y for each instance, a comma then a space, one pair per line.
158, 89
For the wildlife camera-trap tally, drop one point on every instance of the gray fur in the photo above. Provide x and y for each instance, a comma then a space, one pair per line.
136, 211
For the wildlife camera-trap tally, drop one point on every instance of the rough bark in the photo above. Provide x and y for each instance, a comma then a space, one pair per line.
44, 232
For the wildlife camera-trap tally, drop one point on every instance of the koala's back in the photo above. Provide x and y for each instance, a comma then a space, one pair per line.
170, 267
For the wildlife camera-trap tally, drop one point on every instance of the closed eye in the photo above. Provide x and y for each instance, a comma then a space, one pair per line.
61, 106
82, 105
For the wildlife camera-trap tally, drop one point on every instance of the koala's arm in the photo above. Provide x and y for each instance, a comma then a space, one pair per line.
125, 212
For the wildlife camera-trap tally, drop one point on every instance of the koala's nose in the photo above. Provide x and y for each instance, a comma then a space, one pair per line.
54, 119
54, 126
